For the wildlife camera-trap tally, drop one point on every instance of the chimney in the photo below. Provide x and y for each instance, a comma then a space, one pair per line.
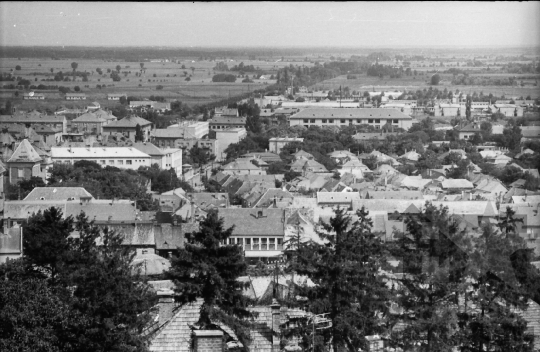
208, 341
276, 331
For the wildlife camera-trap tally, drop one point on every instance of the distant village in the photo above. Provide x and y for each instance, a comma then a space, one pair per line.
266, 208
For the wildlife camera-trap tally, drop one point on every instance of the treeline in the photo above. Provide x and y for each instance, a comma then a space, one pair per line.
223, 77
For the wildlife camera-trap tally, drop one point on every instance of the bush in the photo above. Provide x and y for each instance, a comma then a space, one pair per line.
159, 87
18, 68
435, 79
77, 88
223, 77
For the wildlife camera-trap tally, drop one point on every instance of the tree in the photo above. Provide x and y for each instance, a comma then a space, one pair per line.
77, 88
99, 71
192, 70
74, 66
435, 79
209, 270
348, 287
433, 255
118, 68
138, 134
18, 68
142, 66
112, 302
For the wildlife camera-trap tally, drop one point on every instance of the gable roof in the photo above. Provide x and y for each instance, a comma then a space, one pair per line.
58, 193
89, 117
129, 122
457, 183
148, 148
24, 153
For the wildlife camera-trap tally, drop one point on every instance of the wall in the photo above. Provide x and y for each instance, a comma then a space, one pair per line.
226, 138
135, 162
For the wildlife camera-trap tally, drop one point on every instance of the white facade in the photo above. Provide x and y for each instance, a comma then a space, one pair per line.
173, 159
120, 157
193, 129
226, 138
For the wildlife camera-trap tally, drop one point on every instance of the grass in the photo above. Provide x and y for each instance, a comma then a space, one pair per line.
199, 90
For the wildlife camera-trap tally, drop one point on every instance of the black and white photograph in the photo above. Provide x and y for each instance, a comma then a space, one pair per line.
270, 176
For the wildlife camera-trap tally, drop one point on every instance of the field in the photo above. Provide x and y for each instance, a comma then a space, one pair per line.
199, 90
363, 83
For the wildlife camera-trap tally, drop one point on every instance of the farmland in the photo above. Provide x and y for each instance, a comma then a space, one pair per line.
199, 89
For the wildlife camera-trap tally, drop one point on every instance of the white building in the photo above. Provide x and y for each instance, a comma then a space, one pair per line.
276, 144
227, 137
375, 117
121, 157
192, 129
173, 159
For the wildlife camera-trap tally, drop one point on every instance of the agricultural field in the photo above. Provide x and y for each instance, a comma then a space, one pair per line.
369, 83
170, 75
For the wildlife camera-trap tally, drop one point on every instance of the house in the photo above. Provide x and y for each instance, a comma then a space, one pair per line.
150, 105
75, 96
306, 166
57, 122
226, 112
491, 189
375, 117
456, 185
530, 133
157, 155
33, 96
468, 131
192, 129
116, 96
58, 193
226, 137
242, 167
509, 110
302, 155
260, 232
346, 199
276, 144
121, 157
88, 123
267, 157
128, 127
11, 244
24, 163
411, 156
225, 122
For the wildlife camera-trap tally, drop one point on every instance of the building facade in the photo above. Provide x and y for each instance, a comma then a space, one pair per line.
120, 157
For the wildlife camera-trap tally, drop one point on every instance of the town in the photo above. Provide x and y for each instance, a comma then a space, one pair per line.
254, 200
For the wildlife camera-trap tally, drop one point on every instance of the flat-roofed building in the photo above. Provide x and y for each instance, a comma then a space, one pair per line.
375, 117
227, 137
116, 96
192, 129
120, 157
509, 110
223, 122
33, 96
75, 96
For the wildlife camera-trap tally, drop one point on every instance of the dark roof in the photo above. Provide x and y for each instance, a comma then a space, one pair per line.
247, 223
148, 148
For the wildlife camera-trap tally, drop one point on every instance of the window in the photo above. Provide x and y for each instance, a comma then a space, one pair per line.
378, 121
323, 120
128, 162
102, 162
247, 245
370, 120
279, 243
395, 121
312, 121
231, 240
306, 121
255, 244
264, 244
272, 245
20, 173
342, 120
331, 121
111, 162
240, 242
120, 162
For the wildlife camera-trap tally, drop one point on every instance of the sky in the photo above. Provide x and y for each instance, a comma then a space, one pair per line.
270, 24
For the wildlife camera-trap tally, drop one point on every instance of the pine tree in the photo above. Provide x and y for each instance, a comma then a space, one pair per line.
110, 304
208, 269
434, 257
348, 286
138, 134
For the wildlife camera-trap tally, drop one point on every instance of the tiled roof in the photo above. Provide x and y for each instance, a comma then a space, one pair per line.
97, 152
456, 183
57, 193
168, 133
101, 210
395, 195
227, 120
33, 117
273, 193
350, 113
337, 197
89, 117
24, 153
241, 164
246, 221
150, 264
148, 148
175, 336
134, 234
130, 122
169, 237
207, 200
22, 209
